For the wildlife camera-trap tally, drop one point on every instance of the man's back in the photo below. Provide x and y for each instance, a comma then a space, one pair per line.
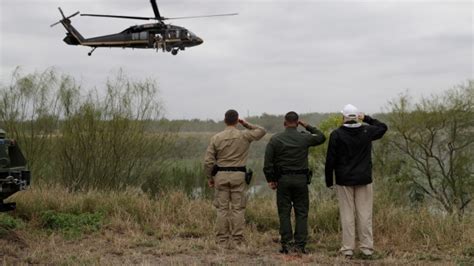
288, 150
349, 153
230, 147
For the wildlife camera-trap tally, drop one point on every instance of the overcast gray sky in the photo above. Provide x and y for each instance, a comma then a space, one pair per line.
275, 56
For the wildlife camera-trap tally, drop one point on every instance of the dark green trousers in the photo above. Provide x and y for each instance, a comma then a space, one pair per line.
292, 192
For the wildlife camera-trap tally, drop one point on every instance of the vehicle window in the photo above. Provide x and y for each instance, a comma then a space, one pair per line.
144, 35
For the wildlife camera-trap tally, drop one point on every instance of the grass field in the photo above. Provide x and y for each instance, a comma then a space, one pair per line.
54, 226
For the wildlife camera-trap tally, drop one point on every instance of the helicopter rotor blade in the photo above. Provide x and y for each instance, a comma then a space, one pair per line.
75, 14
54, 24
205, 16
118, 16
156, 10
64, 17
61, 11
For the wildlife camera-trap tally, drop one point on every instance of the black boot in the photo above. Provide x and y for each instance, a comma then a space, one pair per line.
301, 250
284, 249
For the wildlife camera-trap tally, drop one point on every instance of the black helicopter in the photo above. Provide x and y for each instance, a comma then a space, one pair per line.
159, 35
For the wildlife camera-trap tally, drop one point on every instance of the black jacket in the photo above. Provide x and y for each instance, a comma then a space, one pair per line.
349, 153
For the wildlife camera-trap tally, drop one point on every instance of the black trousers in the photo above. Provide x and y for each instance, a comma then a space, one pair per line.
292, 192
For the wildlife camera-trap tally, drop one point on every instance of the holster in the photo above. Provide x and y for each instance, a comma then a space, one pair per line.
309, 176
215, 169
248, 176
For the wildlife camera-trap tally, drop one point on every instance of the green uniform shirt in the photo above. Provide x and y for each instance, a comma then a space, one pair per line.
288, 150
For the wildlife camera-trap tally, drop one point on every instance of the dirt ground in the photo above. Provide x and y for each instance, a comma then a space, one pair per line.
113, 248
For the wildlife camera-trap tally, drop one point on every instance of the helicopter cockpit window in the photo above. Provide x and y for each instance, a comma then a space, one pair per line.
172, 34
144, 35
140, 35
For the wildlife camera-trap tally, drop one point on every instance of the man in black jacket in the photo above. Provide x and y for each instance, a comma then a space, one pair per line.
349, 156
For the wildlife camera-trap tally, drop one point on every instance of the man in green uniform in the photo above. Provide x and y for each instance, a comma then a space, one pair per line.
224, 165
286, 170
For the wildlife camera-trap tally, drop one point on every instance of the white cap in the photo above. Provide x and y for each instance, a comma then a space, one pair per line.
350, 111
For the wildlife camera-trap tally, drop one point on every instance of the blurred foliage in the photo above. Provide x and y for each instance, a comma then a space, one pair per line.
85, 141
272, 123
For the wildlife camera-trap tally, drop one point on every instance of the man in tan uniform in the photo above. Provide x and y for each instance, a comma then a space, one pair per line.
228, 151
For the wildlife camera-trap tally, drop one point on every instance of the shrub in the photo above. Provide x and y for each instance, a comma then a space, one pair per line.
85, 141
70, 224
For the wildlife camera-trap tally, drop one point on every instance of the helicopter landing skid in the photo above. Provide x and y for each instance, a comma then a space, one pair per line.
90, 53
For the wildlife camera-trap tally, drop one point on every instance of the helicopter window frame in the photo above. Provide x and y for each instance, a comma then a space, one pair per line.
141, 35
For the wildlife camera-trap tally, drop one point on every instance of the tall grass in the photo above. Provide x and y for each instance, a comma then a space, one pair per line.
174, 214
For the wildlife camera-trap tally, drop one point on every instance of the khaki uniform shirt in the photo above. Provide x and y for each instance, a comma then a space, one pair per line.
229, 148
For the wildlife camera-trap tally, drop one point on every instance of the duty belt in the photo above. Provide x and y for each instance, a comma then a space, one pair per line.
295, 172
232, 169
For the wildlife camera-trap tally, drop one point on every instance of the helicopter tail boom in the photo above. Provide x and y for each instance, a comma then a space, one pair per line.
73, 37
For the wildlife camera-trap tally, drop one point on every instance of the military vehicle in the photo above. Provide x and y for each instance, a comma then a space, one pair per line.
158, 35
14, 175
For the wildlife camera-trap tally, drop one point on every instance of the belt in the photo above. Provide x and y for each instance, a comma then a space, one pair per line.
295, 172
232, 169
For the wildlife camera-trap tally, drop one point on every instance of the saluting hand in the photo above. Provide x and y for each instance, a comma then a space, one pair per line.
243, 123
302, 123
361, 116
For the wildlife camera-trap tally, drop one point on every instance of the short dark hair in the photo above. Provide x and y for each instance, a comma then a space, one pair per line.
292, 117
231, 117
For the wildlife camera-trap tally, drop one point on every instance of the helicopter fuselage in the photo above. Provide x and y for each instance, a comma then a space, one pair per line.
159, 35
152, 35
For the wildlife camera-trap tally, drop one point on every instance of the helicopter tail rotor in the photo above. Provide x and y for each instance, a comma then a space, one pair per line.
64, 17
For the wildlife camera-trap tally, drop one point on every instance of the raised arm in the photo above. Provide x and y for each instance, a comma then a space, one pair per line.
253, 132
316, 138
377, 128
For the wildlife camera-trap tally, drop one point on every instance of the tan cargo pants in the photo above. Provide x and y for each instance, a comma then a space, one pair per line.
230, 202
356, 200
